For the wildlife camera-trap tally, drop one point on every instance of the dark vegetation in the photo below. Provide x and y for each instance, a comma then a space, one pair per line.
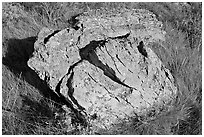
28, 106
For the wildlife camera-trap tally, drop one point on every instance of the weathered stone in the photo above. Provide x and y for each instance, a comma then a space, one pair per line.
103, 65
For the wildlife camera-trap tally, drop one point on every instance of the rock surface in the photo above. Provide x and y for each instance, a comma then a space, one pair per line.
103, 64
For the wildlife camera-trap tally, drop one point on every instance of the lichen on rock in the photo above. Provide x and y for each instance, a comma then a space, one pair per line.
103, 65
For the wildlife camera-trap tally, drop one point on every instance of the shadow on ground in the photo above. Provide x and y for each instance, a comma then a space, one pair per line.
17, 53
35, 112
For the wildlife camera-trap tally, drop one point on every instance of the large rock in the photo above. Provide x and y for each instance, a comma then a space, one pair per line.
103, 64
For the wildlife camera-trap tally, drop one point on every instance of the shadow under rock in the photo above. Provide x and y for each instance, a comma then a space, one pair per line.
17, 53
34, 111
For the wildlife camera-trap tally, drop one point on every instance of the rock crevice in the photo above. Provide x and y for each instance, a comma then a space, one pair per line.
49, 36
88, 53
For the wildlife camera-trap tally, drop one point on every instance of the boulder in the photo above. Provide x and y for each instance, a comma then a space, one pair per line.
103, 64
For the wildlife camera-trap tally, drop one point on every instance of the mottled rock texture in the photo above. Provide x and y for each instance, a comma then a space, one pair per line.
104, 66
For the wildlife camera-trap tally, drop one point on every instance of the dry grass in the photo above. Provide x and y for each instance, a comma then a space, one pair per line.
24, 110
29, 109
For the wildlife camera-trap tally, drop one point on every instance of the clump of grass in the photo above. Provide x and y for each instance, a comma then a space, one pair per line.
16, 110
186, 17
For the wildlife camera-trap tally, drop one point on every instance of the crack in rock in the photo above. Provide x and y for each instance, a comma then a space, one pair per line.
111, 95
88, 53
141, 49
71, 91
120, 36
49, 36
